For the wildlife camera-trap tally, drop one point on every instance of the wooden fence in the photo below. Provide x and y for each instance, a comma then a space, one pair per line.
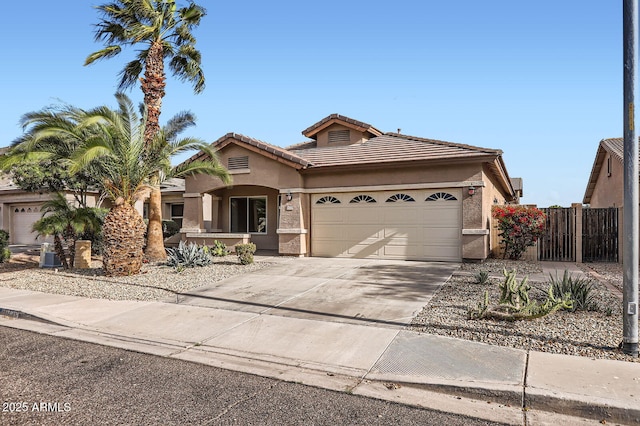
574, 234
559, 240
600, 235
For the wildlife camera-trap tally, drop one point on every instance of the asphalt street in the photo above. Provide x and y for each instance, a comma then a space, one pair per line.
49, 381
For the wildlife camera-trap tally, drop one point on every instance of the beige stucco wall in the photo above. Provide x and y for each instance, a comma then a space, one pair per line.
262, 170
608, 191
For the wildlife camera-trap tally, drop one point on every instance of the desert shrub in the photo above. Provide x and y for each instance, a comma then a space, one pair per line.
188, 256
169, 228
482, 277
245, 253
218, 249
580, 291
519, 226
515, 304
5, 253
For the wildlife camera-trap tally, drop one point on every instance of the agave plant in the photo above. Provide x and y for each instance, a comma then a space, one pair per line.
188, 256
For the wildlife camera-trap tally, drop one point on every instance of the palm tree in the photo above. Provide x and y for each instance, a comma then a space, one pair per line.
165, 32
50, 136
128, 168
61, 219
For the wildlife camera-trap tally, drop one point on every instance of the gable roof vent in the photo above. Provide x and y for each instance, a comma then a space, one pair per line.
337, 136
237, 163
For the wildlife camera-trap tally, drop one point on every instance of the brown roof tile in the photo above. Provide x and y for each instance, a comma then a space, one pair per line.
280, 152
388, 148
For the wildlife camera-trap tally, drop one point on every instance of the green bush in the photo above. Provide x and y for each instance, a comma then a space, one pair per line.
188, 256
5, 253
579, 290
245, 253
218, 249
169, 228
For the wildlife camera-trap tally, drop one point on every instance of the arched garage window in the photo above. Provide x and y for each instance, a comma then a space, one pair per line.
441, 196
362, 199
328, 200
400, 197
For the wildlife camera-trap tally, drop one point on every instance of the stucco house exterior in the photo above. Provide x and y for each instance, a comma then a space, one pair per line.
351, 191
605, 185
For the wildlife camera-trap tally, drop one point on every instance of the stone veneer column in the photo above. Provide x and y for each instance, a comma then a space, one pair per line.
475, 235
192, 221
292, 237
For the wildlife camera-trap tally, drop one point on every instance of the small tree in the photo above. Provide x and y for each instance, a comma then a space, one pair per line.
520, 227
65, 223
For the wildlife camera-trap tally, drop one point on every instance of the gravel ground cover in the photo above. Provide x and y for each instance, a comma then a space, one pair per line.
155, 282
594, 334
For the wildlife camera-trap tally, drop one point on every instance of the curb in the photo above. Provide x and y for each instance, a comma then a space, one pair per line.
514, 398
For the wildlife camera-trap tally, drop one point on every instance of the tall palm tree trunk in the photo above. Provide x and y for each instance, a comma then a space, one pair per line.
153, 85
123, 236
155, 240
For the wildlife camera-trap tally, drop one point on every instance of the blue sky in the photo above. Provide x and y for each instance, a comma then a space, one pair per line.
541, 81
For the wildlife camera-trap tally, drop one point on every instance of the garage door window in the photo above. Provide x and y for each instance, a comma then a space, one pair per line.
400, 197
249, 214
328, 200
441, 196
362, 199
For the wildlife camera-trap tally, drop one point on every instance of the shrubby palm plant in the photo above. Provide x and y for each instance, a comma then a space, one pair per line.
164, 32
66, 223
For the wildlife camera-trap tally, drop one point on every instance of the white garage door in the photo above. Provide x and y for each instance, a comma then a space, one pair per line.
411, 225
22, 219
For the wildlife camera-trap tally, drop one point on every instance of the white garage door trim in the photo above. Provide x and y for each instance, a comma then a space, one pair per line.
411, 225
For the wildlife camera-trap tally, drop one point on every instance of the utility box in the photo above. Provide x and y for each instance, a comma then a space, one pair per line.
48, 258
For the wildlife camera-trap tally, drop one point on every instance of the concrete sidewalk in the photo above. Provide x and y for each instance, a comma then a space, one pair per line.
484, 381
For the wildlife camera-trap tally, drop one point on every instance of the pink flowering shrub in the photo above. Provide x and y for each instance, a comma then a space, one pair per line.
520, 227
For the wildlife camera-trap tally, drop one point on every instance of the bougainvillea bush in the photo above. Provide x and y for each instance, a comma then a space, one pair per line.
520, 227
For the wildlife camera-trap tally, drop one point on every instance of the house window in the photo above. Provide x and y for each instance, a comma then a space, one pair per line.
248, 214
609, 166
399, 197
238, 163
177, 213
337, 136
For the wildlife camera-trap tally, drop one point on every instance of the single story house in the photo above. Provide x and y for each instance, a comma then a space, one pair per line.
351, 190
605, 187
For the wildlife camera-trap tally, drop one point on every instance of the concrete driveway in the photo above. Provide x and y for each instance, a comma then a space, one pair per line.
358, 291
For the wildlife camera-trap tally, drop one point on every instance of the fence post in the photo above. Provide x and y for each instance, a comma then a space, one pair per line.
577, 210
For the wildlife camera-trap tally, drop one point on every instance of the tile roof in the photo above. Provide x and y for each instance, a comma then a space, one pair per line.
388, 148
275, 150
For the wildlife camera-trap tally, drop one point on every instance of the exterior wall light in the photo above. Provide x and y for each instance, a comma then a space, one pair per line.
472, 190
289, 196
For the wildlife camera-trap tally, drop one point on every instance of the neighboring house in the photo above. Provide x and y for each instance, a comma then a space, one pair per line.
605, 186
351, 191
19, 209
